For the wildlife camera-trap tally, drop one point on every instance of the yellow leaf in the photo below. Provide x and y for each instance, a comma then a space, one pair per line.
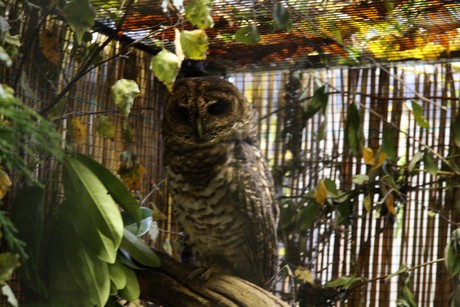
321, 193
78, 131
50, 46
5, 183
380, 159
368, 156
390, 203
367, 203
303, 274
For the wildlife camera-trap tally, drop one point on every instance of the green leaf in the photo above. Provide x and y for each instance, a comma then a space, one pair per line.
402, 269
417, 111
198, 12
282, 17
194, 44
352, 130
8, 263
123, 93
343, 281
165, 66
96, 215
308, 215
136, 228
451, 259
318, 102
131, 291
430, 164
139, 250
360, 179
456, 129
388, 143
27, 213
80, 15
117, 274
122, 196
331, 187
105, 127
415, 159
248, 35
77, 275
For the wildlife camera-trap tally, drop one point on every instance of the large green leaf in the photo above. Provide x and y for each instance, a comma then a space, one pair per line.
92, 206
116, 188
27, 214
77, 275
139, 250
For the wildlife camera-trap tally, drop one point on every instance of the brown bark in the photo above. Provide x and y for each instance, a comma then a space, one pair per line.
169, 285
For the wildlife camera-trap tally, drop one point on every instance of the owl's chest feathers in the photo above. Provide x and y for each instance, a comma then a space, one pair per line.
208, 208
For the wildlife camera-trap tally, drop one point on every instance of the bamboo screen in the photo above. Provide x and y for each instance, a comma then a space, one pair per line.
370, 246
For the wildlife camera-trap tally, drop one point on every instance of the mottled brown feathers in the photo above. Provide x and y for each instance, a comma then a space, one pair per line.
222, 190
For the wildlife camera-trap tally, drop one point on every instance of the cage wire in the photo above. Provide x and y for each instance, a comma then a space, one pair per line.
371, 245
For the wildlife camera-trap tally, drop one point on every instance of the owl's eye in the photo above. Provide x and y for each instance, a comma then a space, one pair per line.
218, 108
182, 113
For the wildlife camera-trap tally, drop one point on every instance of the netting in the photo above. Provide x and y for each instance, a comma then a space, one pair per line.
368, 237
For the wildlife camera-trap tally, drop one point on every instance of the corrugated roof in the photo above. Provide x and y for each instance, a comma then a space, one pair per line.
323, 32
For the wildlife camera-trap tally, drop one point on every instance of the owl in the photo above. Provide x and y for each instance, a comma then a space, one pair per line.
222, 190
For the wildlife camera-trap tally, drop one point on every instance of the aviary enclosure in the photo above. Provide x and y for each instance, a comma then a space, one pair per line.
363, 142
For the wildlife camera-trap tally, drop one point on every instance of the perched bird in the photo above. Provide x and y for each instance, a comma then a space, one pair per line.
222, 190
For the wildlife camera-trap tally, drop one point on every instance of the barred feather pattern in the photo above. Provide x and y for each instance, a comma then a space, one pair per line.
222, 190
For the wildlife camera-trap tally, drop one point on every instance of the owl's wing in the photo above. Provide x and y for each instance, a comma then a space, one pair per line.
256, 195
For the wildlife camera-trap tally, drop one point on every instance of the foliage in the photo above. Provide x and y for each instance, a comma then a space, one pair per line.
328, 209
83, 243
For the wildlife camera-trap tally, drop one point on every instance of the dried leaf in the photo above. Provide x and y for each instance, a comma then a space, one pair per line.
50, 46
320, 194
78, 131
390, 204
5, 183
303, 274
368, 155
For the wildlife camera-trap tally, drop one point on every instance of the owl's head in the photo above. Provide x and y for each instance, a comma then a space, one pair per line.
205, 110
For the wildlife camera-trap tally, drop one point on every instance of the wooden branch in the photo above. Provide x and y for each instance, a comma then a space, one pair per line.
169, 285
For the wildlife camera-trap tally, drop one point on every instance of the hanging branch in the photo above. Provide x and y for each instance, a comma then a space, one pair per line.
85, 68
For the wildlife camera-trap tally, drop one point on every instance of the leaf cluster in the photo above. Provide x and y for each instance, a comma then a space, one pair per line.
82, 253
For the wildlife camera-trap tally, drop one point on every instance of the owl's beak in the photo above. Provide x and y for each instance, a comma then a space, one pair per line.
199, 128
